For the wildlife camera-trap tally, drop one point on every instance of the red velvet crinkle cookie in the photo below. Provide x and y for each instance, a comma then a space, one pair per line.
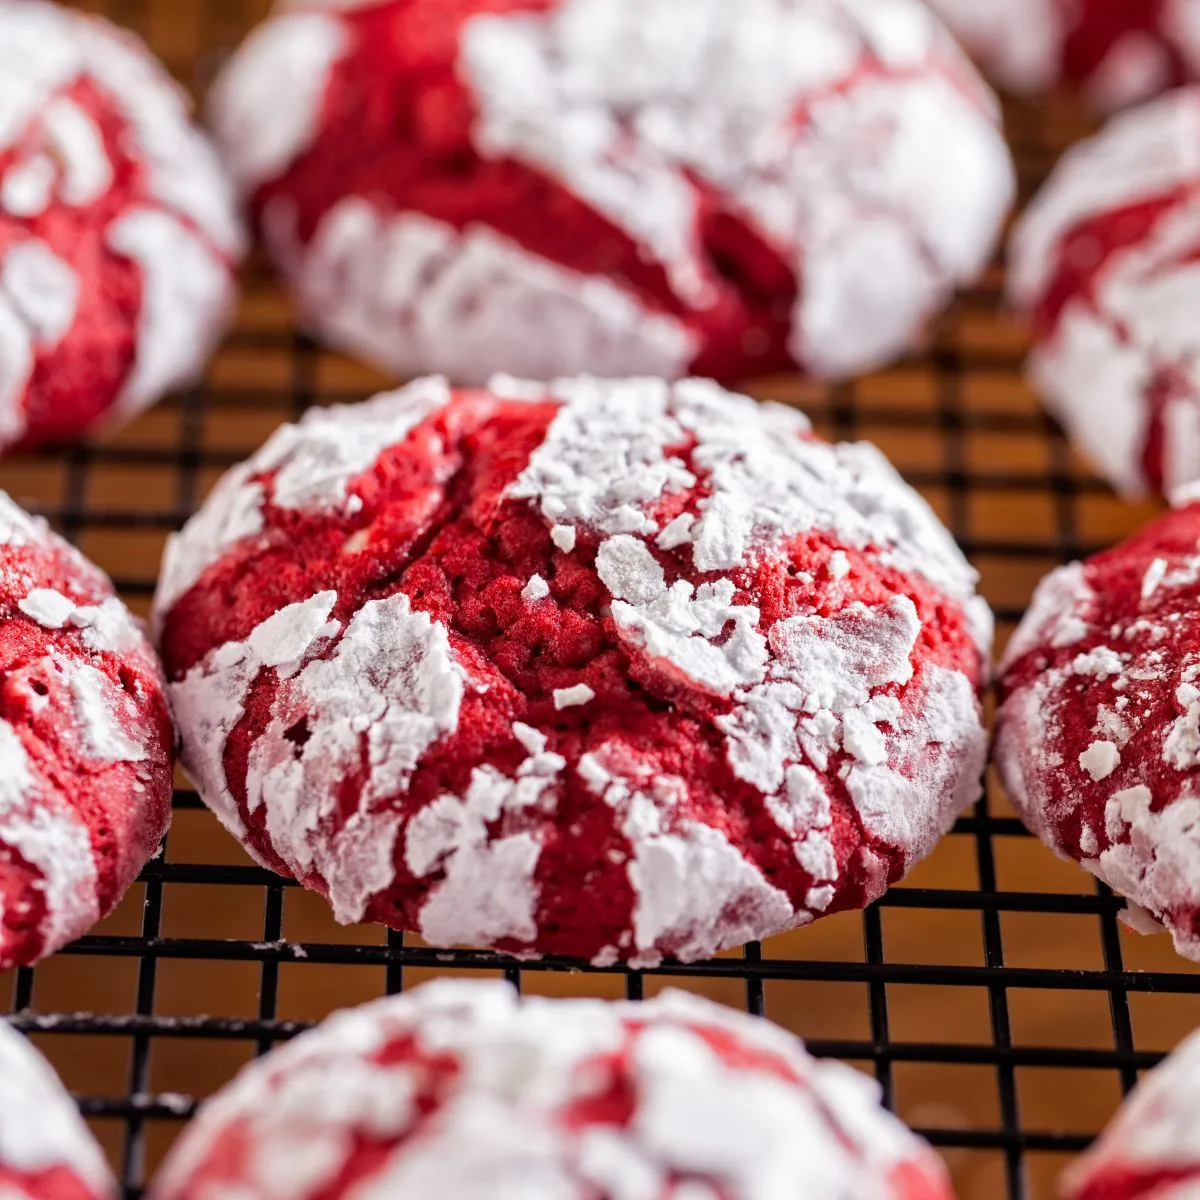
1118, 51
463, 1089
1151, 1150
617, 670
1098, 737
46, 1151
118, 228
1104, 263
714, 188
86, 743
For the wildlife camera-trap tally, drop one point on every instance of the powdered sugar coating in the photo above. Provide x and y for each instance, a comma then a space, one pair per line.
794, 182
45, 1148
85, 743
119, 233
1119, 54
1098, 736
1103, 263
1155, 1138
403, 720
467, 1090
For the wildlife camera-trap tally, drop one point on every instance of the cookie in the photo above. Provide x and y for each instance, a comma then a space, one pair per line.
617, 670
119, 232
723, 191
86, 743
1118, 52
462, 1089
46, 1151
1149, 1151
1103, 264
1098, 734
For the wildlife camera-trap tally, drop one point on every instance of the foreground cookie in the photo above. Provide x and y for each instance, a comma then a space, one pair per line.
1151, 1151
1117, 51
85, 743
118, 229
618, 670
724, 190
1104, 265
46, 1151
462, 1089
1098, 736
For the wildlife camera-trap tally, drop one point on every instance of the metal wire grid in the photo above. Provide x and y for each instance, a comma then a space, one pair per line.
945, 427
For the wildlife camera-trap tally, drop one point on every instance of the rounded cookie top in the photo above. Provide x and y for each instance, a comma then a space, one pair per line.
119, 231
1098, 735
465, 1089
46, 1151
724, 190
611, 669
1103, 265
86, 743
1119, 52
1154, 1141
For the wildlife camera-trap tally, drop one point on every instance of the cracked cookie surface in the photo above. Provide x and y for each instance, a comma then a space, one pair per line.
616, 187
610, 669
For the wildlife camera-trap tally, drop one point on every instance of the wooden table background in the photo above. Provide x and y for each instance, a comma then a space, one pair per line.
959, 422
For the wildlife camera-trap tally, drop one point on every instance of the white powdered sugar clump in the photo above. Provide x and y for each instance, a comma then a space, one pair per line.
374, 696
749, 1131
1098, 367
182, 228
1155, 1131
40, 1127
312, 464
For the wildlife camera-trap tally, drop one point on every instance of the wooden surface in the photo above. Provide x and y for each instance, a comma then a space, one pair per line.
965, 407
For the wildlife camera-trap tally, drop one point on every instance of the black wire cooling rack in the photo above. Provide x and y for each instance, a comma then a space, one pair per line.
994, 995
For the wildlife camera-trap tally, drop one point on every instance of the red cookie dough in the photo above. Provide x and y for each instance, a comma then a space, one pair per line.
616, 187
1098, 736
462, 1089
86, 743
119, 232
610, 669
1118, 51
46, 1151
1106, 265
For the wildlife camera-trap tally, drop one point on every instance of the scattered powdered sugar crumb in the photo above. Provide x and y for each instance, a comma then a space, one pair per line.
48, 608
40, 1126
1100, 760
536, 589
509, 1072
563, 536
573, 697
